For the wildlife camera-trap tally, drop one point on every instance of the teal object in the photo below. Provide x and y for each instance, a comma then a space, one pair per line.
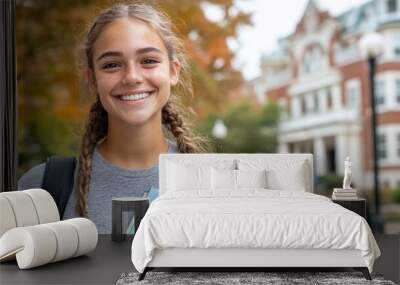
131, 228
152, 194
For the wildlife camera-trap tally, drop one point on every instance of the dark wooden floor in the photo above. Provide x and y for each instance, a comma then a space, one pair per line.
110, 260
389, 262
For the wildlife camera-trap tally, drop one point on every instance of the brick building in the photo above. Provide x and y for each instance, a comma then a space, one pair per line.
321, 80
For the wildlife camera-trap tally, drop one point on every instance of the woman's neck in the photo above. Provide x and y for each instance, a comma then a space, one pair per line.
135, 147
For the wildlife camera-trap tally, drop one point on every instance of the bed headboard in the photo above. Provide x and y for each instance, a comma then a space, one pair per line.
281, 164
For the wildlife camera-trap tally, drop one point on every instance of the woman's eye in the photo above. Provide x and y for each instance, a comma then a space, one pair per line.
110, 65
149, 61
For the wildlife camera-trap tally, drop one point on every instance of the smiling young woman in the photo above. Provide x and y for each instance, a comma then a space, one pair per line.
137, 70
133, 76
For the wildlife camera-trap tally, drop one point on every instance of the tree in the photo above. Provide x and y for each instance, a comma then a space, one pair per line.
250, 130
213, 74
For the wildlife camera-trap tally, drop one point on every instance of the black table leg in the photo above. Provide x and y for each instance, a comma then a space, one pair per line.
116, 221
140, 211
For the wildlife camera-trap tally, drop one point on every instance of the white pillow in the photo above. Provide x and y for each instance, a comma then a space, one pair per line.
182, 177
282, 174
223, 179
251, 178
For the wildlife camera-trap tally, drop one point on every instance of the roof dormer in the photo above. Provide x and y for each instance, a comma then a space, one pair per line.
313, 18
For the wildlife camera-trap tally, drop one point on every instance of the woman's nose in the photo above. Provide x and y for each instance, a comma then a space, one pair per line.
132, 75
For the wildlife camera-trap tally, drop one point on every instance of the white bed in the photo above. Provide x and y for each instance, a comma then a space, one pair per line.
200, 223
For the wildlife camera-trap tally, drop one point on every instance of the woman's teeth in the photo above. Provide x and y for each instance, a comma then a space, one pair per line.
135, 97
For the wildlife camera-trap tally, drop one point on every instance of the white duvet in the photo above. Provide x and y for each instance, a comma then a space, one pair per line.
252, 218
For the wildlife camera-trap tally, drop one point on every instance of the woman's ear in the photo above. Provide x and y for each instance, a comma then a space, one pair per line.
175, 70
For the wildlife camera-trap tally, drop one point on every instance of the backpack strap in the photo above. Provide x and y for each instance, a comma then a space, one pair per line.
58, 179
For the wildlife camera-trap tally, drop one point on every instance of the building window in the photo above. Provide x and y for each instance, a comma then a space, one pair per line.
398, 145
313, 59
396, 49
353, 94
398, 91
379, 93
381, 146
307, 63
329, 100
316, 103
303, 105
391, 6
309, 103
396, 45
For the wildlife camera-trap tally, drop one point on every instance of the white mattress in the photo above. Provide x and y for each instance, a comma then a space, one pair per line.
253, 218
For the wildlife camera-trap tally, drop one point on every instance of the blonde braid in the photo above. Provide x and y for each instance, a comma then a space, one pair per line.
96, 129
175, 122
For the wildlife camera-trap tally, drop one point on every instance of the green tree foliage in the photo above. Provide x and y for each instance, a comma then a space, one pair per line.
52, 102
396, 195
325, 184
250, 130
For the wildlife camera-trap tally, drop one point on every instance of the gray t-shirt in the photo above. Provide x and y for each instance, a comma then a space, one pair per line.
107, 181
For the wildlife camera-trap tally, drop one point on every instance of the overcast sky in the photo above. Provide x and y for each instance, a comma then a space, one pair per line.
272, 19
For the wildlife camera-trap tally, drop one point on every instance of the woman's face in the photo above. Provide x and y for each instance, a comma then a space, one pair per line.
132, 72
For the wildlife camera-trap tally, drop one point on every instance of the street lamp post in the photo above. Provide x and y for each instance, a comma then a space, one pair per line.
371, 45
219, 131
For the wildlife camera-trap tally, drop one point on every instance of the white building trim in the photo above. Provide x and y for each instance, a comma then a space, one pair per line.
315, 82
319, 119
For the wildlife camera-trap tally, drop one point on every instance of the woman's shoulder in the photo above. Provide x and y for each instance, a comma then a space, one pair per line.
33, 178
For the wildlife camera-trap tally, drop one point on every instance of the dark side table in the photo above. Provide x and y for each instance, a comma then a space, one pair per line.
358, 206
137, 205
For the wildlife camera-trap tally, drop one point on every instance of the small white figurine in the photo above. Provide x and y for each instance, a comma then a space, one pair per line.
347, 174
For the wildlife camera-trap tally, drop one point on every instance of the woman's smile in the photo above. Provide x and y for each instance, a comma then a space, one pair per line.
134, 98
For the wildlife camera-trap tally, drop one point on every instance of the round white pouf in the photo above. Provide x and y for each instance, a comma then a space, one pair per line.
23, 208
87, 233
33, 246
67, 240
46, 208
6, 215
26, 208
